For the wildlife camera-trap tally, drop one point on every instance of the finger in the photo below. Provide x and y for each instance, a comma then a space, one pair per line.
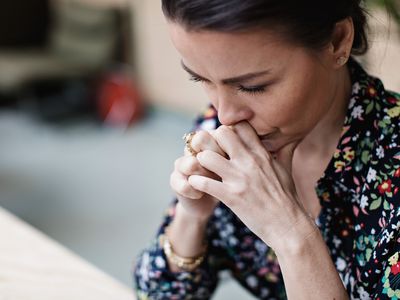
203, 140
187, 152
189, 165
229, 141
250, 138
285, 155
209, 186
215, 163
283, 166
179, 183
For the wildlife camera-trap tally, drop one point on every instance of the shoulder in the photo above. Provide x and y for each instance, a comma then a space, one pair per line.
374, 112
390, 121
378, 107
368, 156
382, 177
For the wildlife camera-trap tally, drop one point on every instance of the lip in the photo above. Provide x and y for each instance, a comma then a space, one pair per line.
265, 136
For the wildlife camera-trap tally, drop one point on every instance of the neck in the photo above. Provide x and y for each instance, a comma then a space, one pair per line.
331, 124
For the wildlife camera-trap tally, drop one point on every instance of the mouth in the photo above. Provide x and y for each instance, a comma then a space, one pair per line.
265, 136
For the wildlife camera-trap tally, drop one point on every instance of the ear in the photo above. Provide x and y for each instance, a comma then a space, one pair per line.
341, 42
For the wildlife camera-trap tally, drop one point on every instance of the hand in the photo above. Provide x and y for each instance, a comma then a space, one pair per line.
259, 189
195, 203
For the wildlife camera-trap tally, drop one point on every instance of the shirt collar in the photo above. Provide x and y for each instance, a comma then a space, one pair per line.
346, 158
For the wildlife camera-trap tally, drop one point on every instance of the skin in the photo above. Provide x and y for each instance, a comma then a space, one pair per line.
288, 113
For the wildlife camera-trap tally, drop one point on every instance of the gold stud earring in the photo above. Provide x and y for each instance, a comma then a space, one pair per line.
341, 60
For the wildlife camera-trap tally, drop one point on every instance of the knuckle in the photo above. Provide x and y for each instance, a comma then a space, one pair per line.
180, 163
190, 166
182, 187
173, 178
206, 154
221, 130
177, 163
203, 185
242, 186
186, 152
240, 189
199, 139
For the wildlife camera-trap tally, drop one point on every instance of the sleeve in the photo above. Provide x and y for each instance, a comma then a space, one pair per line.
154, 280
389, 285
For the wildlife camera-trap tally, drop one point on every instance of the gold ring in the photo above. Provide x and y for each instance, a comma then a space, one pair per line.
187, 137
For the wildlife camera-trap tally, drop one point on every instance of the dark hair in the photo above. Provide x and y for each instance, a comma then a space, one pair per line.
308, 22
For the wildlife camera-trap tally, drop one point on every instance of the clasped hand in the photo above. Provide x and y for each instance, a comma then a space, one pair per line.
258, 188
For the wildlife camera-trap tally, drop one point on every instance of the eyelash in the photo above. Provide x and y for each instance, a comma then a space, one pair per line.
195, 79
252, 90
240, 88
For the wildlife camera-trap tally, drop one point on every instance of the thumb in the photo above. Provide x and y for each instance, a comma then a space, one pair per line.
285, 155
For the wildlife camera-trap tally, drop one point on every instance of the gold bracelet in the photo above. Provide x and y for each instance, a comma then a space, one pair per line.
185, 263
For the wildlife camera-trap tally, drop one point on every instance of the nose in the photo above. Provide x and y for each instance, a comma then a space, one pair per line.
230, 113
231, 109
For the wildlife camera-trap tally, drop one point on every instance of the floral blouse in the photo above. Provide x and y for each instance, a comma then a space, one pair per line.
359, 220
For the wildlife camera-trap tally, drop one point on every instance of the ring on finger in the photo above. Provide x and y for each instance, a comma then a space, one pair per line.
187, 137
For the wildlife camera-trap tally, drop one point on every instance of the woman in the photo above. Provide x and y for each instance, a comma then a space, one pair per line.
291, 178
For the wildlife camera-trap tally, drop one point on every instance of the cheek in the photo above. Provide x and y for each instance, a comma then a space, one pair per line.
294, 109
281, 105
307, 105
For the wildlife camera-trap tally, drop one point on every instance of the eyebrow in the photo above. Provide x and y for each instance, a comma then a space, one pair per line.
233, 80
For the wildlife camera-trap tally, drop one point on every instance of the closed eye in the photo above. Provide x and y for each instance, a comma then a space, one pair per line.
250, 90
196, 79
253, 89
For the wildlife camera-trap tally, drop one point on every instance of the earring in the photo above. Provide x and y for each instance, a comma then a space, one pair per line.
341, 60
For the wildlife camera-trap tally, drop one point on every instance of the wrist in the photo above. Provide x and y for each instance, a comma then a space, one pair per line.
186, 234
182, 263
299, 239
187, 219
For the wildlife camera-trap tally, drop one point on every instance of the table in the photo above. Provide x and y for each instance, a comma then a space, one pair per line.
35, 267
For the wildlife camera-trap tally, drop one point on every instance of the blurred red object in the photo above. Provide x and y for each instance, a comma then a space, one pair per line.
119, 101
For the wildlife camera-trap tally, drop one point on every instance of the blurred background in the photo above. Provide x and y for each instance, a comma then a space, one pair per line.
93, 105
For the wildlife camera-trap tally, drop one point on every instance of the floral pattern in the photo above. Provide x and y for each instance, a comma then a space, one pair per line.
359, 220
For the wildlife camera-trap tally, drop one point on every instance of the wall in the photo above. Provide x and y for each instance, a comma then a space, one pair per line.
158, 64
383, 59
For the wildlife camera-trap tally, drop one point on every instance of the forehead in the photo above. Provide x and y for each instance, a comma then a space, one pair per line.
234, 52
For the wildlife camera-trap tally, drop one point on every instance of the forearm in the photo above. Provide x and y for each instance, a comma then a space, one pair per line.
186, 235
156, 280
307, 268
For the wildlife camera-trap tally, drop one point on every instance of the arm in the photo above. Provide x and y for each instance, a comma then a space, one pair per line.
307, 268
155, 276
187, 235
260, 190
156, 280
388, 283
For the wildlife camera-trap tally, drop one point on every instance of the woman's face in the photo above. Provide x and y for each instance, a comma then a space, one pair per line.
281, 89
